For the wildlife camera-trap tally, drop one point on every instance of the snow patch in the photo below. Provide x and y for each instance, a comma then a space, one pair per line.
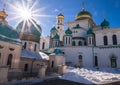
92, 75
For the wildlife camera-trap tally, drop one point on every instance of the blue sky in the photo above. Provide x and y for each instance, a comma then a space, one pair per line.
70, 8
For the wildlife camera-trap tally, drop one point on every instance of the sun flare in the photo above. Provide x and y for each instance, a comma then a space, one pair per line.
27, 12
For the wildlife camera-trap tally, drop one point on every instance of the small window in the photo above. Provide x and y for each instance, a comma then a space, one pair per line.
113, 62
35, 47
43, 45
73, 43
114, 38
105, 40
26, 67
9, 61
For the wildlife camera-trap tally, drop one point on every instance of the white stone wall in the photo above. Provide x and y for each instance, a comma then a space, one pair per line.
72, 53
30, 46
107, 32
5, 51
80, 32
47, 42
103, 54
83, 23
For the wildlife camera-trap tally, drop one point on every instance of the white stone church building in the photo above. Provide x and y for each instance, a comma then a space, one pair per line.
84, 43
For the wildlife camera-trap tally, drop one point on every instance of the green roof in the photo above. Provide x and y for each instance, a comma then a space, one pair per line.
30, 28
68, 31
8, 31
56, 37
90, 31
57, 52
53, 30
8, 34
77, 27
105, 23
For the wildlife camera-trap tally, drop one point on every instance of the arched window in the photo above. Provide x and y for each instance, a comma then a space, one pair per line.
80, 60
96, 61
113, 62
35, 47
73, 43
80, 43
43, 45
114, 38
25, 44
105, 40
9, 61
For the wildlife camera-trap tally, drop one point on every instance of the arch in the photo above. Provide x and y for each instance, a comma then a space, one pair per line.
80, 43
73, 43
114, 38
80, 60
9, 61
105, 40
43, 45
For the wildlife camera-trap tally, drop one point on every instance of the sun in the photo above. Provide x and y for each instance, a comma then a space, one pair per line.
26, 12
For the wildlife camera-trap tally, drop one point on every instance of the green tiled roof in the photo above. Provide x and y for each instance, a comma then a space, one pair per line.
90, 31
8, 34
53, 30
68, 31
30, 28
105, 23
56, 37
8, 31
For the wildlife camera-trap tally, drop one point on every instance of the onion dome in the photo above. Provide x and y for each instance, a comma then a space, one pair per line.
90, 31
60, 16
56, 37
105, 24
53, 30
29, 31
8, 34
83, 15
68, 32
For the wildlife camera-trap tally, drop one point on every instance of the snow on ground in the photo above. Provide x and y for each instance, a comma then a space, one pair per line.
92, 75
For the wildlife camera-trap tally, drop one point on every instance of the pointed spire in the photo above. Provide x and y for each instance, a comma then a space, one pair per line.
83, 6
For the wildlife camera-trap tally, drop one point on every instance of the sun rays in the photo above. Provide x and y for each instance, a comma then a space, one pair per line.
26, 12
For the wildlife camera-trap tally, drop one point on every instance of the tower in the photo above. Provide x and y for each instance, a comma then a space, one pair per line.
60, 26
68, 38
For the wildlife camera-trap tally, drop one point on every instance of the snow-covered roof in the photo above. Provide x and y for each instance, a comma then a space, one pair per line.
39, 56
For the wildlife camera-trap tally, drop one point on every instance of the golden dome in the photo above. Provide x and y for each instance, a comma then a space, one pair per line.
60, 16
83, 15
3, 14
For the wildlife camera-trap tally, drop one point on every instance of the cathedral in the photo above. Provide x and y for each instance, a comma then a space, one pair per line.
84, 43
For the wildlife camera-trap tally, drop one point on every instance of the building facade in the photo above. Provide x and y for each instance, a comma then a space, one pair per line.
86, 44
